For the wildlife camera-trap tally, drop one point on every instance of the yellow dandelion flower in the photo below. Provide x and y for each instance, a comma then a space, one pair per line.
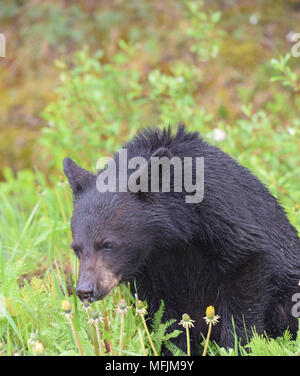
66, 306
38, 348
211, 316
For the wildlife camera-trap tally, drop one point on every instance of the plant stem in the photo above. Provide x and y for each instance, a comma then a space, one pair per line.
207, 339
121, 334
93, 338
99, 338
120, 292
142, 341
108, 344
113, 297
188, 344
148, 335
75, 335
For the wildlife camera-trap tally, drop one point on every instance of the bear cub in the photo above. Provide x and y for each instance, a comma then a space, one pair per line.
234, 249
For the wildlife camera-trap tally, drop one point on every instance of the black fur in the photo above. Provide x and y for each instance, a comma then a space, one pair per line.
236, 250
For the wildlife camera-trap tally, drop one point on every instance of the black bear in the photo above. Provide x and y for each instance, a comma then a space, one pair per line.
234, 249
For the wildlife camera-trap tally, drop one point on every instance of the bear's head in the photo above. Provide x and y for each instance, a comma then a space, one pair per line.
113, 233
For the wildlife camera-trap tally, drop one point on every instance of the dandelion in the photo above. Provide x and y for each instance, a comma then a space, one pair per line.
108, 344
87, 308
187, 323
141, 310
32, 339
122, 309
211, 319
122, 306
67, 308
96, 319
38, 348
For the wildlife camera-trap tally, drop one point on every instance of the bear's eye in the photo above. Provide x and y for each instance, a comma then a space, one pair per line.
105, 245
108, 245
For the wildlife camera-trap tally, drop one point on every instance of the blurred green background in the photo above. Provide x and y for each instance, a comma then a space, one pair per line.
223, 62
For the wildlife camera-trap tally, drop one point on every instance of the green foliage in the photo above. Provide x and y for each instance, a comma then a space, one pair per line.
202, 29
101, 104
285, 75
174, 349
264, 346
160, 335
158, 316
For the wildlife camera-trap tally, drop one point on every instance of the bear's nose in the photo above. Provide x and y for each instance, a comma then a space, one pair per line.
85, 291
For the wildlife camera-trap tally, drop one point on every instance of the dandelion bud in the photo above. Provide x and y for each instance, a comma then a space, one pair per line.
38, 348
186, 321
122, 304
186, 317
141, 307
66, 306
210, 312
211, 316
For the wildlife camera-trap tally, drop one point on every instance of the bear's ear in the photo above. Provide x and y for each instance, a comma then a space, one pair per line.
79, 178
162, 152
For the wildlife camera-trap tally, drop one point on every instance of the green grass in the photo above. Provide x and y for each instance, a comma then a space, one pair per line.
38, 270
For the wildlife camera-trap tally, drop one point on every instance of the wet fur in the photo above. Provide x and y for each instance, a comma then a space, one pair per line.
236, 250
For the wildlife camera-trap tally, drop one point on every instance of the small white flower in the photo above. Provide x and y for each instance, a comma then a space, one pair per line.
291, 131
254, 19
219, 135
290, 36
